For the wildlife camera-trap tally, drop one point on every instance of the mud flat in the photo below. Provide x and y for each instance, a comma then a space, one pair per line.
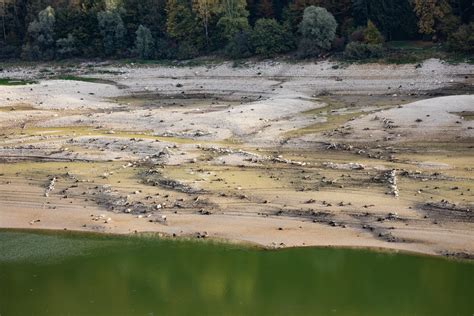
270, 153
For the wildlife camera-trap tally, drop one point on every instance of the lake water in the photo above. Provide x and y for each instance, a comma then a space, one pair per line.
79, 274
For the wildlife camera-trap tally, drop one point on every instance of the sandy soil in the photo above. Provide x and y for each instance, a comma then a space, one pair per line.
270, 153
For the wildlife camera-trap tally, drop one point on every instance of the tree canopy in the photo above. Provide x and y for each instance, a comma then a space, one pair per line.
319, 26
47, 29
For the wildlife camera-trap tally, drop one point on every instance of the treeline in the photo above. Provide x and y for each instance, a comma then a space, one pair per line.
181, 29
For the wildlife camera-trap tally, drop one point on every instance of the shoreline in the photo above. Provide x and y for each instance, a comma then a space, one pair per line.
214, 241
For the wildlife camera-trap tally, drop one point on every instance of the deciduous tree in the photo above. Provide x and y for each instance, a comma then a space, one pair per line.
372, 34
40, 36
183, 27
233, 18
319, 26
205, 9
270, 38
430, 12
144, 43
112, 30
360, 11
66, 47
463, 39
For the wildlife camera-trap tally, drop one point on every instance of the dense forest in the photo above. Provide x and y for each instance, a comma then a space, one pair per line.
181, 29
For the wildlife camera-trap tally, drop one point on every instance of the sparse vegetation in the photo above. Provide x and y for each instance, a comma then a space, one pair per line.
357, 50
14, 82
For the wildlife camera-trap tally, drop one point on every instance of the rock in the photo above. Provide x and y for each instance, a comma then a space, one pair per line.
201, 235
50, 187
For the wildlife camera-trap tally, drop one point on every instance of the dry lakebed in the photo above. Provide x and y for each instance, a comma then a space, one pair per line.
268, 153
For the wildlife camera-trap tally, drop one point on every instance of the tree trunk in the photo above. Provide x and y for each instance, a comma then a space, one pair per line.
3, 21
207, 33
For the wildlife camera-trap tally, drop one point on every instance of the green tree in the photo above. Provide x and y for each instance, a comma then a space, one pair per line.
239, 46
372, 35
360, 11
183, 26
40, 41
112, 30
358, 50
318, 26
3, 14
447, 26
180, 21
340, 9
270, 38
151, 13
144, 43
463, 39
265, 9
430, 13
229, 26
13, 14
233, 18
81, 22
234, 8
205, 9
66, 47
394, 18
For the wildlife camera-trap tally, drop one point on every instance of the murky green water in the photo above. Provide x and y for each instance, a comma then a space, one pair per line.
71, 274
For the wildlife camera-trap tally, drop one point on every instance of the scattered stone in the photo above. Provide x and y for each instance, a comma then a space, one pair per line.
50, 187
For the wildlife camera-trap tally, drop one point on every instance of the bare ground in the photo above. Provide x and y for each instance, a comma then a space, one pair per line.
270, 153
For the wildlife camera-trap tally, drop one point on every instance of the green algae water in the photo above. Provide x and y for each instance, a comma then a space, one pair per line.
79, 274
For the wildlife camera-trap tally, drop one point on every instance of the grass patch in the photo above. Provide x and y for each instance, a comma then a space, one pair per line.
17, 107
15, 82
108, 72
76, 78
412, 57
413, 52
410, 45
332, 104
466, 115
90, 80
84, 79
333, 121
232, 141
